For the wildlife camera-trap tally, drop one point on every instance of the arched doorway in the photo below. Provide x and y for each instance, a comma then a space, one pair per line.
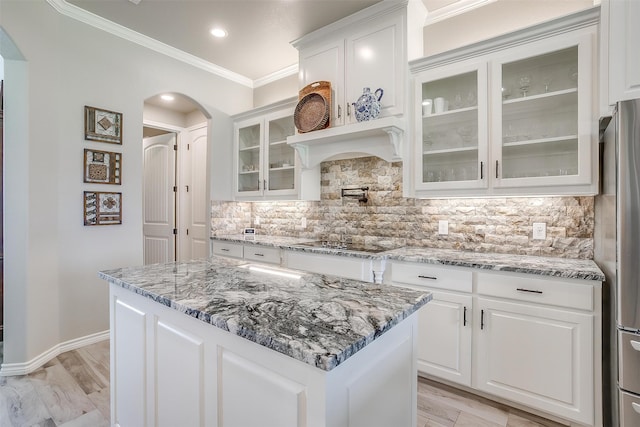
175, 202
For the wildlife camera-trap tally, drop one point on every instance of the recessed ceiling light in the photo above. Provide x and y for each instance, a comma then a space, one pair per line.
167, 97
218, 32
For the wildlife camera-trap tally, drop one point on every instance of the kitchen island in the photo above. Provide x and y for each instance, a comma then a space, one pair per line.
223, 342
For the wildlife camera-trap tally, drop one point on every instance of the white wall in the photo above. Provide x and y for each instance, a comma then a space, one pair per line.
52, 293
494, 19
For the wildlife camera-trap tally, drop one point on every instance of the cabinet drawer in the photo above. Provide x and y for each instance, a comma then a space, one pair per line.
336, 265
431, 276
227, 249
262, 254
538, 290
629, 409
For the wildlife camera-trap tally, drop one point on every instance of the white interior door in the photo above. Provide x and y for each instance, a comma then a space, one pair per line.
159, 198
194, 213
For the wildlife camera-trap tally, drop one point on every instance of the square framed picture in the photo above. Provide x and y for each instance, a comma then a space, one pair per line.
102, 125
102, 208
102, 167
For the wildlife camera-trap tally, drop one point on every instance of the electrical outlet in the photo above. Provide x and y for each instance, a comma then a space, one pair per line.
539, 230
304, 222
443, 227
257, 221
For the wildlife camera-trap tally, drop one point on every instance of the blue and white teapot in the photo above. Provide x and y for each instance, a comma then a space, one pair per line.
368, 106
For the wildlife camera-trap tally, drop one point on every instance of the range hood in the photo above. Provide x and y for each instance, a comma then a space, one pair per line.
381, 137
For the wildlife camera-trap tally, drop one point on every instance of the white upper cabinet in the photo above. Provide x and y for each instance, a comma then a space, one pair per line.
514, 115
621, 40
265, 166
369, 54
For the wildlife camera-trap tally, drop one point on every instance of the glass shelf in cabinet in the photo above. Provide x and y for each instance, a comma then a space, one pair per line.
251, 148
541, 96
551, 140
449, 150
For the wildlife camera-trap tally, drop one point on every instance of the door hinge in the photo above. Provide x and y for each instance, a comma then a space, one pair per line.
187, 188
175, 147
187, 231
188, 147
175, 189
175, 231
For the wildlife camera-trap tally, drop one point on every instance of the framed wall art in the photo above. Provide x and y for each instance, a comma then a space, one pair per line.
102, 167
102, 125
102, 208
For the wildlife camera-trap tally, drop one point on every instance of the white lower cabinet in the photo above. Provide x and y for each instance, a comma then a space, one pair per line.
450, 358
541, 357
530, 340
248, 251
336, 265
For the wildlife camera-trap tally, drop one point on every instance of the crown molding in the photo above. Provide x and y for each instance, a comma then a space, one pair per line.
275, 76
118, 30
454, 9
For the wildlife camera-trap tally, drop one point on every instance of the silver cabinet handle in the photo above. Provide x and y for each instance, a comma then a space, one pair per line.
531, 291
258, 254
481, 319
224, 250
496, 168
339, 111
420, 276
481, 170
464, 316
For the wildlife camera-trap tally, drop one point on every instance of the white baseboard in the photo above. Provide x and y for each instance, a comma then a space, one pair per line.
10, 369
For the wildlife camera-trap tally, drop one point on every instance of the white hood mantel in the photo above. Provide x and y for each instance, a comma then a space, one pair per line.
381, 137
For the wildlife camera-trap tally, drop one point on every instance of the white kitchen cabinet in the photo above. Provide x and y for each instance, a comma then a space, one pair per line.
336, 265
248, 251
366, 50
515, 115
536, 344
534, 341
445, 324
266, 167
622, 45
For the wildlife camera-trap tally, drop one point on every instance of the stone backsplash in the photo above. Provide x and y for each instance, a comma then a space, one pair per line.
502, 224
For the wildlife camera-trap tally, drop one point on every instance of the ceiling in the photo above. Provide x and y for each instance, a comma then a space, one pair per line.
260, 32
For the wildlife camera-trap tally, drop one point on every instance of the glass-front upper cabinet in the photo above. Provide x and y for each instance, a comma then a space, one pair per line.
542, 125
265, 163
513, 119
451, 128
281, 156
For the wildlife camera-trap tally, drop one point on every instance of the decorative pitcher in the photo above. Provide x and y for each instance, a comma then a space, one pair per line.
368, 106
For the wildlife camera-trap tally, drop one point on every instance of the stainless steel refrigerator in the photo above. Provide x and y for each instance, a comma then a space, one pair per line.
617, 244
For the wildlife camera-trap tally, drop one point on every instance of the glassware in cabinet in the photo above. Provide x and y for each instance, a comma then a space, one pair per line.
450, 120
540, 106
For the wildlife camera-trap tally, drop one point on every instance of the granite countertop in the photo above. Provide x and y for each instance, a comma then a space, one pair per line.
543, 266
297, 244
318, 319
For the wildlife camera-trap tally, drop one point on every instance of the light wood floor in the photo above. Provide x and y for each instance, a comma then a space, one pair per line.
72, 390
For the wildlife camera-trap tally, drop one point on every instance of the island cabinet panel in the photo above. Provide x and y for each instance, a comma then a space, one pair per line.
179, 376
245, 384
128, 364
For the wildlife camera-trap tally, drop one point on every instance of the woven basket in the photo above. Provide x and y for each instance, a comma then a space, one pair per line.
311, 113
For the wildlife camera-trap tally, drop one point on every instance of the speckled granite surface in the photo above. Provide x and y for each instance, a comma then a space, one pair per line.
320, 320
543, 266
297, 244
